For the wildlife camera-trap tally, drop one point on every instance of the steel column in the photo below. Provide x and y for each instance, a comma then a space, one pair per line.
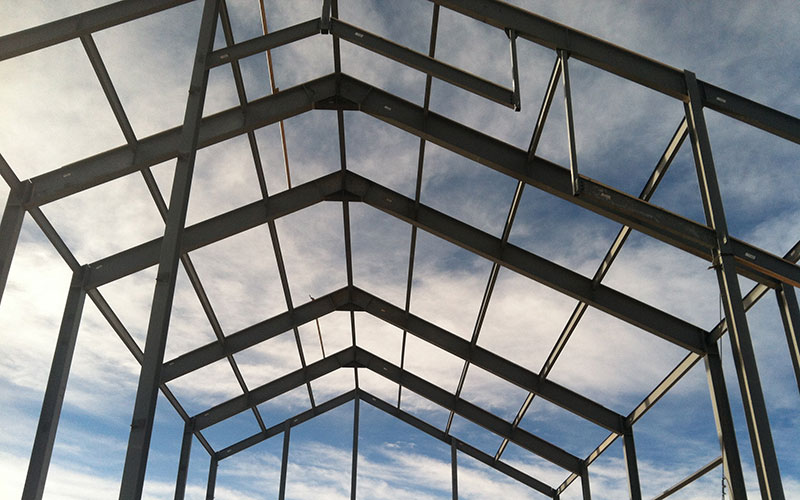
724, 420
454, 466
585, 488
354, 470
150, 377
56, 387
631, 466
183, 464
212, 478
766, 461
787, 302
10, 227
287, 429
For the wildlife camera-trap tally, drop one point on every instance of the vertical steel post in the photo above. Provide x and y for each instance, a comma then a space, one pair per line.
212, 478
454, 466
10, 227
287, 429
183, 464
769, 478
56, 387
573, 154
632, 467
587, 492
147, 392
726, 432
354, 470
787, 302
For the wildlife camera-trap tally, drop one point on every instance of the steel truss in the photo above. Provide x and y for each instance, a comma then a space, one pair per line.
340, 92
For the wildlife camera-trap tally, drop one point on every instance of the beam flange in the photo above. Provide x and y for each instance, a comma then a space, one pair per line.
680, 232
489, 361
471, 412
528, 264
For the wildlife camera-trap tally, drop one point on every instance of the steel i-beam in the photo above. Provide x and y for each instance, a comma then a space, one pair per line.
149, 379
766, 461
56, 387
790, 313
183, 464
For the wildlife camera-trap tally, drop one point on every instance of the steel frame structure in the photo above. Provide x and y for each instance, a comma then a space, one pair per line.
730, 257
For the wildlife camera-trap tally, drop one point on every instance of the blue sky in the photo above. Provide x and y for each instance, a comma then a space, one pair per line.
54, 113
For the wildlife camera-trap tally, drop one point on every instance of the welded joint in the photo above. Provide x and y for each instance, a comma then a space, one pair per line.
325, 20
515, 97
21, 194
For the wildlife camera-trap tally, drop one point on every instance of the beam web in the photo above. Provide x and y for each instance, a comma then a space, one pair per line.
723, 419
56, 387
147, 391
183, 464
790, 314
454, 466
585, 487
631, 465
354, 469
287, 429
10, 227
739, 333
417, 192
573, 154
212, 478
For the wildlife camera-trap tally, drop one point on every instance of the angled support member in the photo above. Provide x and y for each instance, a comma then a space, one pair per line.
212, 478
732, 465
573, 155
790, 313
631, 466
146, 395
287, 429
56, 387
10, 226
183, 465
769, 478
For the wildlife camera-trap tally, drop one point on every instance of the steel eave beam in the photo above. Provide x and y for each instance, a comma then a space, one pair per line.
46, 35
624, 63
424, 63
163, 146
275, 388
217, 228
462, 446
497, 365
528, 264
655, 221
264, 43
252, 335
471, 412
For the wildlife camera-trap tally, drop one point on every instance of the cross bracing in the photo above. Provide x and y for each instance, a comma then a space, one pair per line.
347, 95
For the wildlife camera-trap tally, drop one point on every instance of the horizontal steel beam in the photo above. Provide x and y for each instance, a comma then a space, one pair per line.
163, 146
462, 446
263, 43
528, 264
275, 388
252, 335
46, 35
655, 221
489, 361
291, 422
625, 63
217, 228
471, 412
424, 63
